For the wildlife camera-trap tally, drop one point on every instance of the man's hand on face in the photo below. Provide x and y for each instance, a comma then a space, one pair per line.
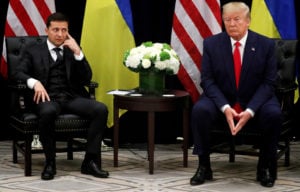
72, 44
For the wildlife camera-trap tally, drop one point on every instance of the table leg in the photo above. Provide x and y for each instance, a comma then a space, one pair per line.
116, 134
185, 136
151, 127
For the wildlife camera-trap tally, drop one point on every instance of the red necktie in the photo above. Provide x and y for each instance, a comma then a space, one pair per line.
237, 71
237, 63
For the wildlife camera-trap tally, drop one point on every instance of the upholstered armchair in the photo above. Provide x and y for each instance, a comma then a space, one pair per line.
69, 128
286, 85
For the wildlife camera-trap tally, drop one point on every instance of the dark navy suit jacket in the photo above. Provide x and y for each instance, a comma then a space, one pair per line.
258, 74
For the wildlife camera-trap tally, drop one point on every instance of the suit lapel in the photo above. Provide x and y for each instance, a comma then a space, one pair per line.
44, 53
228, 59
248, 57
67, 55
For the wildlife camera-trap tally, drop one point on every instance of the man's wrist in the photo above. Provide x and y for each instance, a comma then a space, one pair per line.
225, 107
79, 57
31, 82
250, 111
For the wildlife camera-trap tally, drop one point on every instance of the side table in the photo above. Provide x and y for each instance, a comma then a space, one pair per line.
172, 100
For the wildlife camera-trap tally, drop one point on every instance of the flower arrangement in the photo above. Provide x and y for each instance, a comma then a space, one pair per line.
154, 57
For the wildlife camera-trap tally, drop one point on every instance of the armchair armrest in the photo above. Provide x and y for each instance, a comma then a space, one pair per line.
91, 89
286, 89
19, 85
286, 95
17, 91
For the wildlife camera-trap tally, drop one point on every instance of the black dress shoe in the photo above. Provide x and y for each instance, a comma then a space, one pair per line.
91, 168
49, 171
266, 178
201, 175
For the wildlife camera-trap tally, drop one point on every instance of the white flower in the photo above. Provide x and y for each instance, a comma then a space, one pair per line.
133, 61
161, 65
157, 57
146, 63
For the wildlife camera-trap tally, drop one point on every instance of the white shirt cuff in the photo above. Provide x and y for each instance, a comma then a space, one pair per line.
248, 109
79, 57
224, 107
31, 82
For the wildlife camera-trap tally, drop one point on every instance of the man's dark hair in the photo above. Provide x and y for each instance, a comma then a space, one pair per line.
56, 17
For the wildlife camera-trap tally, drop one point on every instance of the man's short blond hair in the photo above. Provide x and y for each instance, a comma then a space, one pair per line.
236, 6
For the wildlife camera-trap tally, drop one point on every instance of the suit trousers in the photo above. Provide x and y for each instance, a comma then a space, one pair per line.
268, 120
95, 111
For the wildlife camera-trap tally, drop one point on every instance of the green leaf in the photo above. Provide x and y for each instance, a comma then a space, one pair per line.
148, 44
164, 56
166, 46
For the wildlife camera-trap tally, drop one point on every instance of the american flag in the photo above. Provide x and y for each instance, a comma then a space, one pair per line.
25, 17
193, 21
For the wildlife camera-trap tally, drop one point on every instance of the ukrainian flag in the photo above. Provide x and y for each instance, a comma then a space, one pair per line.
106, 34
274, 18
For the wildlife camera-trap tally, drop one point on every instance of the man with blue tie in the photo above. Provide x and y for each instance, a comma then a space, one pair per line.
238, 80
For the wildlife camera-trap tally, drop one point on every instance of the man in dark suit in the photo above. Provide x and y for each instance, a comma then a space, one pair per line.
239, 103
57, 72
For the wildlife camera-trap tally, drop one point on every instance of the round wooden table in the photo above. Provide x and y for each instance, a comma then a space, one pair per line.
172, 100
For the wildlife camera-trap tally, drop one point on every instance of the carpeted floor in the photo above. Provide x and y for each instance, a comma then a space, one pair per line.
132, 174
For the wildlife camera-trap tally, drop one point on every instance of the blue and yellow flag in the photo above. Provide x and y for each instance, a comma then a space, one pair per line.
106, 34
274, 18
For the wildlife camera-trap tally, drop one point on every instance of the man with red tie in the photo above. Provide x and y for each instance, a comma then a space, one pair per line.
238, 78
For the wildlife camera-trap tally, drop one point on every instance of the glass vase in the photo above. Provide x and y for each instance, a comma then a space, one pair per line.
151, 83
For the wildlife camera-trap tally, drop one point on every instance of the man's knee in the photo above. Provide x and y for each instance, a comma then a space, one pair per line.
203, 110
273, 114
48, 111
101, 109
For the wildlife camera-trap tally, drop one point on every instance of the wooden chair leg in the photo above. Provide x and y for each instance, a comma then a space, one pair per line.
287, 153
15, 151
232, 150
70, 149
100, 158
27, 154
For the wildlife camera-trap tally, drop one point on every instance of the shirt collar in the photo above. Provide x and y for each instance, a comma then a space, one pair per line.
242, 40
51, 45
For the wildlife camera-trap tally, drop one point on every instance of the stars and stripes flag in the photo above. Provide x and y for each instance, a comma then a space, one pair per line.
193, 20
24, 18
